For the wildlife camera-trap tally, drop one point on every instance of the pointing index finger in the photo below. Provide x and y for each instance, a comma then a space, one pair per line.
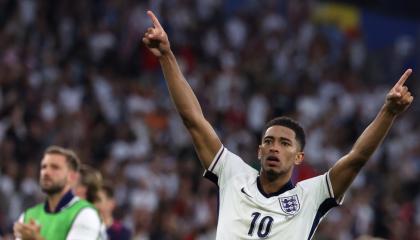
155, 21
403, 78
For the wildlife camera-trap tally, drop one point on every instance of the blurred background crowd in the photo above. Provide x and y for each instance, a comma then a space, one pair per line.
75, 74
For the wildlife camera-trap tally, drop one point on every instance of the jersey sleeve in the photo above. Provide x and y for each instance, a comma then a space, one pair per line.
225, 165
320, 191
86, 226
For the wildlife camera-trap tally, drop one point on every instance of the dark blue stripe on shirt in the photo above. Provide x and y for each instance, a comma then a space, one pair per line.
322, 210
212, 177
328, 185
63, 202
286, 187
217, 159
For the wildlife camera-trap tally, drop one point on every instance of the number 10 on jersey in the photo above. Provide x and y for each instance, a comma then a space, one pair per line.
263, 225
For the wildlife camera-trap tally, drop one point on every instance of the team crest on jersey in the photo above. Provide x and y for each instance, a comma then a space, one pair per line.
290, 205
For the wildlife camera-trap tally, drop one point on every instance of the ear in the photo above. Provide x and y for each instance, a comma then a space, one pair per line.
259, 152
80, 191
73, 177
299, 158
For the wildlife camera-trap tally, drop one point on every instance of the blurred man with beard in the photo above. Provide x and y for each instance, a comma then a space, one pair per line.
63, 215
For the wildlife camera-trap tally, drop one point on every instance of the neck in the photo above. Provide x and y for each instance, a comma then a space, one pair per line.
54, 199
272, 184
108, 219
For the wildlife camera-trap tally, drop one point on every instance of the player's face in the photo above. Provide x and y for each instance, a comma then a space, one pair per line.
279, 151
104, 204
55, 174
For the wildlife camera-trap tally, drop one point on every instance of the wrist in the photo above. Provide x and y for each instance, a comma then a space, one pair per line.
166, 56
389, 112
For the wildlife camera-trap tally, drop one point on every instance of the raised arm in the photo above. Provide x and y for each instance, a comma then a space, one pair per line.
206, 141
345, 170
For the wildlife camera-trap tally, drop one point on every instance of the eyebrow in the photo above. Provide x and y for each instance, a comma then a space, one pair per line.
286, 139
270, 137
281, 138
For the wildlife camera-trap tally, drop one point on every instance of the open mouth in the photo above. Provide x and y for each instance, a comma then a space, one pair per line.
273, 159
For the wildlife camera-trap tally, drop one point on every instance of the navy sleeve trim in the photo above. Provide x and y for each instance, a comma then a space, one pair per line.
217, 160
322, 210
328, 186
212, 177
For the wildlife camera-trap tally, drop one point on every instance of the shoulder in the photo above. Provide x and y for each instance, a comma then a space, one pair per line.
30, 212
81, 203
314, 181
87, 225
86, 212
232, 160
36, 207
88, 215
77, 205
319, 188
227, 165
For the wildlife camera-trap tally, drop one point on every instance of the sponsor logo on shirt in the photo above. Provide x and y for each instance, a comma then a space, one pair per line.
243, 191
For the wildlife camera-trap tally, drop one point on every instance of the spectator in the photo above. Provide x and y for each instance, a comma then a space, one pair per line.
63, 215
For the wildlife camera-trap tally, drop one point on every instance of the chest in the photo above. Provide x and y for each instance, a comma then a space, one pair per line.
248, 215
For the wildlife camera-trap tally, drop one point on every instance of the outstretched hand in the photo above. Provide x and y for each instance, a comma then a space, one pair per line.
399, 98
155, 38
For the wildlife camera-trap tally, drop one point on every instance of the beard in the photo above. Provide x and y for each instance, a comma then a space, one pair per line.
54, 188
272, 175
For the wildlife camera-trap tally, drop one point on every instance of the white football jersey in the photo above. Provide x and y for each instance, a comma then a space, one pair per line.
246, 212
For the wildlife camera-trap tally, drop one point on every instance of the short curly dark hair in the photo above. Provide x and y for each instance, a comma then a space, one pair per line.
289, 123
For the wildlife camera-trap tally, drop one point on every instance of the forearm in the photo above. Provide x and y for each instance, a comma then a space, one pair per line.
346, 169
372, 136
182, 95
206, 141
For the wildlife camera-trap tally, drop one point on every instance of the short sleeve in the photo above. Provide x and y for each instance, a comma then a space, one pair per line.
319, 189
225, 165
86, 226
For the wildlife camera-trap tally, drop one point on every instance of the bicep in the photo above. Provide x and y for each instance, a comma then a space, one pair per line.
206, 141
86, 225
344, 172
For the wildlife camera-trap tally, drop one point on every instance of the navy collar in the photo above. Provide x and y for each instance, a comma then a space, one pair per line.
286, 187
66, 199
